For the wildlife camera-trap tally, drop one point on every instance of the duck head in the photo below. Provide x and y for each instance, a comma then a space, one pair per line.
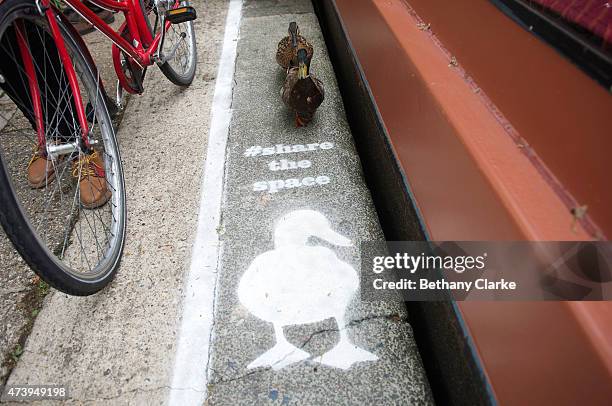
296, 227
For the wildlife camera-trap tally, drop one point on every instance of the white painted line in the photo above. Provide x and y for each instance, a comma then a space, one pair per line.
190, 373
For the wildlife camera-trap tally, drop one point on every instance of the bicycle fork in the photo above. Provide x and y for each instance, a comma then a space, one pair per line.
53, 150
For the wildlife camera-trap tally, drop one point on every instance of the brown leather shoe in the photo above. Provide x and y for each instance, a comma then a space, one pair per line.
41, 170
92, 180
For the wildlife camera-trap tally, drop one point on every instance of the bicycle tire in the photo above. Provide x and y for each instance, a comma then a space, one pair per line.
13, 218
179, 79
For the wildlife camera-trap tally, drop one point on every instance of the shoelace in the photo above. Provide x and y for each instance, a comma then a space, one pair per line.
85, 166
37, 154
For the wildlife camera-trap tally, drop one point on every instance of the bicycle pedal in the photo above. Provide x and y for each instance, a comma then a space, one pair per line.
181, 14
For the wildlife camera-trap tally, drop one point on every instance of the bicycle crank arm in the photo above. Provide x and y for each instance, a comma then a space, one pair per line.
166, 58
119, 97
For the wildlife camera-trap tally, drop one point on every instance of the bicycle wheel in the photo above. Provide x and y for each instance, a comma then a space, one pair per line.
180, 69
72, 247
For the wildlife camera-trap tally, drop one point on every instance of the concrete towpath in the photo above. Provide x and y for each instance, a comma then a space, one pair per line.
240, 278
288, 326
117, 346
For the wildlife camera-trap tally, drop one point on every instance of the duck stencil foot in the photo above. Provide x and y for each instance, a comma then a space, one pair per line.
282, 354
345, 353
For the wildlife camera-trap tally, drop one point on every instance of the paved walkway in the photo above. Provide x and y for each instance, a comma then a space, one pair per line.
117, 347
239, 285
289, 327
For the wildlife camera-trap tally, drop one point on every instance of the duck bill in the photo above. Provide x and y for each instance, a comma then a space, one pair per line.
294, 40
333, 237
293, 33
302, 71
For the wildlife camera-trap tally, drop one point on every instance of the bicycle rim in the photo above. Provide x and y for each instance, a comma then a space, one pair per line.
81, 244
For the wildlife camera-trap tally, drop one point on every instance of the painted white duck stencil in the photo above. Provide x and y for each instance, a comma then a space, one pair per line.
296, 284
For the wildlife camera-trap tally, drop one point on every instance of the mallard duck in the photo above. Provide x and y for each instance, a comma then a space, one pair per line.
286, 54
299, 283
302, 92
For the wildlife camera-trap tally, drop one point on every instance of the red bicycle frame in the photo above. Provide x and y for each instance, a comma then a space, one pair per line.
143, 46
141, 50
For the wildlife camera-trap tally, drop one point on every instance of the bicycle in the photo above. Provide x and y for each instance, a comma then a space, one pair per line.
48, 75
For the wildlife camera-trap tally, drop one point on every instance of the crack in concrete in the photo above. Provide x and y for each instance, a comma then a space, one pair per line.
395, 317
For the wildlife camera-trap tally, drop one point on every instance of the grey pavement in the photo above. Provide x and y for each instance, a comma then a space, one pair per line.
262, 204
294, 214
116, 347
